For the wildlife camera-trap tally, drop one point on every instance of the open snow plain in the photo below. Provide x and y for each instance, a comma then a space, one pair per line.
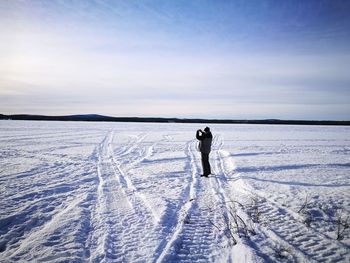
128, 192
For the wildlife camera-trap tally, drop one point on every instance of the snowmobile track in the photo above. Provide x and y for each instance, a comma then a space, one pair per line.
119, 214
193, 238
307, 242
136, 198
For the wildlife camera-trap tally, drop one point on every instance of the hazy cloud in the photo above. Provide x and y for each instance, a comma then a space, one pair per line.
229, 59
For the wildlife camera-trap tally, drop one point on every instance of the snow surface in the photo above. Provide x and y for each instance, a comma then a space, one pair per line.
128, 192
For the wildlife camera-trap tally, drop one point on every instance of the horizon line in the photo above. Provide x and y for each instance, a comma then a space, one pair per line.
98, 117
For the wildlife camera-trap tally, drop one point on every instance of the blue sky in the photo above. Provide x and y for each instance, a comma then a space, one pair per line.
206, 59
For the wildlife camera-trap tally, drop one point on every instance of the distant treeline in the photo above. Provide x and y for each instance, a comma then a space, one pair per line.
94, 117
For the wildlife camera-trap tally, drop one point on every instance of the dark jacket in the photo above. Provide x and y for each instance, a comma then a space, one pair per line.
204, 141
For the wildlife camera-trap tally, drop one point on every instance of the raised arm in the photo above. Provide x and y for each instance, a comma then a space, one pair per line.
199, 135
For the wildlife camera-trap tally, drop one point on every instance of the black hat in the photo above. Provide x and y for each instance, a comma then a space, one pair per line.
207, 129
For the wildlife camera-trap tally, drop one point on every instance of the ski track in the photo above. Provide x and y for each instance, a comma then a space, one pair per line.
123, 218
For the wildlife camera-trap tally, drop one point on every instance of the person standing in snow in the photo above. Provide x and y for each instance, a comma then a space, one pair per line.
205, 138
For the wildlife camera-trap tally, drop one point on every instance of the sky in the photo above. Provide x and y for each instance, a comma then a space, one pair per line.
176, 58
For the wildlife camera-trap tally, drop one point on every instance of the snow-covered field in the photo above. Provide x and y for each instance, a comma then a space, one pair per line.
127, 192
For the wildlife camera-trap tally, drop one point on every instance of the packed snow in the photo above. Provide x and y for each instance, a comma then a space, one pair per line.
132, 192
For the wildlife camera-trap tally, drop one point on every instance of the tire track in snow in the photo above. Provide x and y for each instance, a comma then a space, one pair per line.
223, 196
228, 195
136, 198
121, 220
308, 243
192, 238
130, 146
143, 154
220, 185
165, 246
226, 169
96, 240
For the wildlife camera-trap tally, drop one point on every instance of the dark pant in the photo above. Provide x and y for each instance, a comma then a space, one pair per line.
205, 163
